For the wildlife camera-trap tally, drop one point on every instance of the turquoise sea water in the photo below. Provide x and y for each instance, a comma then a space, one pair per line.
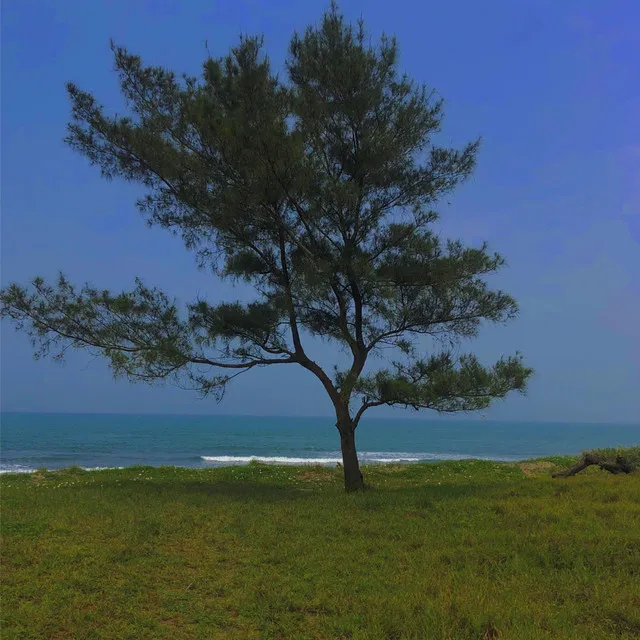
36, 440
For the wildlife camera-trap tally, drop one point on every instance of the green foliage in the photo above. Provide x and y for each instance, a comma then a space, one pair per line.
437, 383
139, 331
458, 550
318, 188
628, 456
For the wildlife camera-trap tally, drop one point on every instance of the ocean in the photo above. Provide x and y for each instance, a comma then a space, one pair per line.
30, 441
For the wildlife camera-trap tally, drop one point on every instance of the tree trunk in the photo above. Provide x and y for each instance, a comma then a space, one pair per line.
353, 480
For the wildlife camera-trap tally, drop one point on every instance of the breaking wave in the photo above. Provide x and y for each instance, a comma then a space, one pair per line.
18, 468
367, 457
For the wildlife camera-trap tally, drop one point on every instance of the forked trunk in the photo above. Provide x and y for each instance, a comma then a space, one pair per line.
353, 480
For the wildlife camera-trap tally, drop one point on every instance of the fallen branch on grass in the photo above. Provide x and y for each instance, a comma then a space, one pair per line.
621, 460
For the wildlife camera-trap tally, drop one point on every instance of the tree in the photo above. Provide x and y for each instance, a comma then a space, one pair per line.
319, 191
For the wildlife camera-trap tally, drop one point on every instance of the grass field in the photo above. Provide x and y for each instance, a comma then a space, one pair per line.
457, 550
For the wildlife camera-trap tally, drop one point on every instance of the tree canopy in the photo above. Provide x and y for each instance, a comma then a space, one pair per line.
318, 188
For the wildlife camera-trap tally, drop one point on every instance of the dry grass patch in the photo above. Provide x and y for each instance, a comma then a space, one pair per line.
317, 474
543, 467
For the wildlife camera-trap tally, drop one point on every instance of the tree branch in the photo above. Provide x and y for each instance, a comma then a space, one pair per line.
365, 405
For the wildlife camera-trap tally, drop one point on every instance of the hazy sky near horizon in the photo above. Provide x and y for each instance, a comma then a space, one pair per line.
552, 87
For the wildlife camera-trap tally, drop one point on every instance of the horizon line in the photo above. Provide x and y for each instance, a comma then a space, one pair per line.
323, 417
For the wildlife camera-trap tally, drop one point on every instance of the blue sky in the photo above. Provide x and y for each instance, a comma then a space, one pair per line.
551, 86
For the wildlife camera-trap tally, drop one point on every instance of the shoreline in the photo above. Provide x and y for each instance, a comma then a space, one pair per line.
313, 464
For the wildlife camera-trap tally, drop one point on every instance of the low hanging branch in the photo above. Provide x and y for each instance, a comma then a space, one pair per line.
614, 461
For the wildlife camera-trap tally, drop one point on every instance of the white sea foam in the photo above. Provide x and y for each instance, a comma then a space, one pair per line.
365, 457
268, 460
21, 469
17, 468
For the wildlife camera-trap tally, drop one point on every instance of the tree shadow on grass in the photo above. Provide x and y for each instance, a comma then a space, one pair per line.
238, 490
306, 487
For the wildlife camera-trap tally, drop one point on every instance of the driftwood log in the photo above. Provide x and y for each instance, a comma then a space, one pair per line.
619, 464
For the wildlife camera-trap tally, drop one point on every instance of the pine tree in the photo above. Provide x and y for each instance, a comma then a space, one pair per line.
319, 190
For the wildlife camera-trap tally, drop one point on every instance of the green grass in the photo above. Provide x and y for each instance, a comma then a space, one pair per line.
456, 550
